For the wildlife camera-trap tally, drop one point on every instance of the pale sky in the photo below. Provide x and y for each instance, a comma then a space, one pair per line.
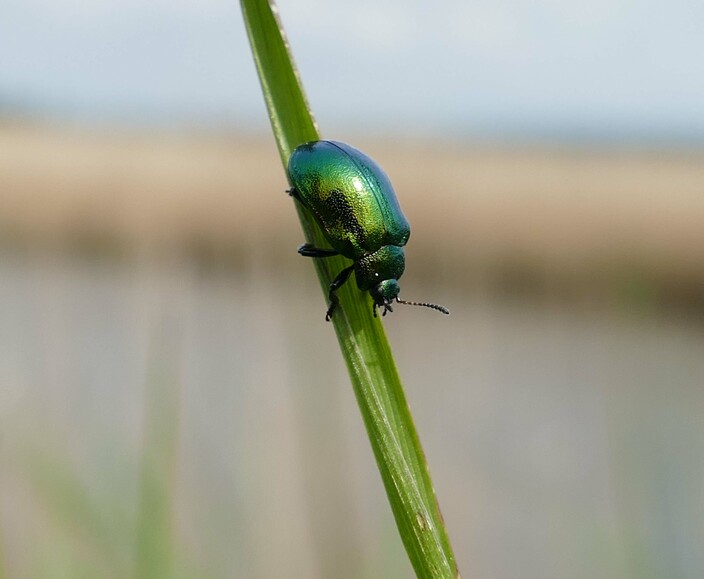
632, 68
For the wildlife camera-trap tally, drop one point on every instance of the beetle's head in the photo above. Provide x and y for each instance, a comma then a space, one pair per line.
386, 292
386, 264
383, 294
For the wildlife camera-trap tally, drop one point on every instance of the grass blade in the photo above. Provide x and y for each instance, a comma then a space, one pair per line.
362, 340
157, 550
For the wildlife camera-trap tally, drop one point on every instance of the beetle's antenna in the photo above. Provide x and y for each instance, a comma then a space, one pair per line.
426, 305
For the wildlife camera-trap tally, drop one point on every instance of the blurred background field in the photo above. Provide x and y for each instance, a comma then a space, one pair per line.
172, 402
152, 344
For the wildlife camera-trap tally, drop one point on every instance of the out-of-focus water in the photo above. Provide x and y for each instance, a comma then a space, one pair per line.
562, 441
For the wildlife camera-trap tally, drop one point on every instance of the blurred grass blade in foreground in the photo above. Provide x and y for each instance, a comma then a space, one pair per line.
362, 340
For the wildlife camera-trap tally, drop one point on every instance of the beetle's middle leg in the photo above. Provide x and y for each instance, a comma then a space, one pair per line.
336, 284
307, 250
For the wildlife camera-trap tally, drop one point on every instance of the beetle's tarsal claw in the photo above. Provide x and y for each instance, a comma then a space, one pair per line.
387, 308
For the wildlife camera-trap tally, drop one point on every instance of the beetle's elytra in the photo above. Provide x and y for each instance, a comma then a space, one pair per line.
355, 205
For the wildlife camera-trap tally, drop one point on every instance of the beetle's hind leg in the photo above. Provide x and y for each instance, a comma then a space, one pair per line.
307, 250
336, 284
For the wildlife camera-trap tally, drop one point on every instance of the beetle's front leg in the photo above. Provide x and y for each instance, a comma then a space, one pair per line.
336, 284
387, 308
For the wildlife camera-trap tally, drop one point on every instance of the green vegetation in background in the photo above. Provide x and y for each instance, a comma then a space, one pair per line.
156, 544
101, 536
2, 561
362, 340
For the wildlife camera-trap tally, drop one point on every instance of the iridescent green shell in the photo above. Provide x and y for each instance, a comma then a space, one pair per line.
350, 196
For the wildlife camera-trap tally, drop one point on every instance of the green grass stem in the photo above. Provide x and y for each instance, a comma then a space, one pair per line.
361, 336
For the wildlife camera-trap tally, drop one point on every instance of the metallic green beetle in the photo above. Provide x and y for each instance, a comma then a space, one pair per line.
354, 203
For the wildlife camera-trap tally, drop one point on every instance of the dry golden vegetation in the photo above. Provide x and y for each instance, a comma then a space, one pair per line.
575, 210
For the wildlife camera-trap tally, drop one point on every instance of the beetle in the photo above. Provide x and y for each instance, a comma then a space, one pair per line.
356, 207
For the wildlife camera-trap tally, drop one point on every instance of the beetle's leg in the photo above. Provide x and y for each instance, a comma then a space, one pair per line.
336, 284
307, 250
387, 308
